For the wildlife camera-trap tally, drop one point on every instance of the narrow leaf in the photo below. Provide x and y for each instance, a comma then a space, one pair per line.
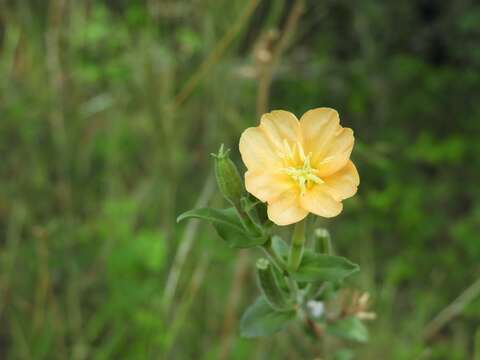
227, 225
219, 216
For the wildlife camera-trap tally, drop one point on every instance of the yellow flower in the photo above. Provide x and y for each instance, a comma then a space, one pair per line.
299, 167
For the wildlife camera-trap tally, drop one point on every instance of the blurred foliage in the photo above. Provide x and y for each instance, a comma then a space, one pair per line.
98, 158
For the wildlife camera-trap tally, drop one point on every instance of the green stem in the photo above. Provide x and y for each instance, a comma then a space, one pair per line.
296, 247
270, 256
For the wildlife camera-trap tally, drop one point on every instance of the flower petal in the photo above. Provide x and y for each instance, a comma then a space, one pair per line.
257, 152
343, 184
286, 209
266, 186
318, 128
337, 153
317, 200
329, 143
280, 125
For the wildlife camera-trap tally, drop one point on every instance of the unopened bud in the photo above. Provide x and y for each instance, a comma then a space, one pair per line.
323, 242
228, 179
270, 289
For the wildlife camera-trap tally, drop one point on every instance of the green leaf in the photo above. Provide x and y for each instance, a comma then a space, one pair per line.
280, 247
350, 328
344, 354
219, 216
227, 225
262, 320
322, 267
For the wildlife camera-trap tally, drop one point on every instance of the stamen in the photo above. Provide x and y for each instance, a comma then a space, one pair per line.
288, 149
305, 176
301, 152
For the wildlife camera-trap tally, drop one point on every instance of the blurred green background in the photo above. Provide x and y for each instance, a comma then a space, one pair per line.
109, 111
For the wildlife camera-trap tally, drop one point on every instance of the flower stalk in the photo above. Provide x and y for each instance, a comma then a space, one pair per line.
296, 247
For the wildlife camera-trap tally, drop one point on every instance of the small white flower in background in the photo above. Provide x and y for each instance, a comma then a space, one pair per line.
317, 308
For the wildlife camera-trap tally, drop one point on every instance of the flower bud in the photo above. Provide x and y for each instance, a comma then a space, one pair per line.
228, 179
270, 289
323, 241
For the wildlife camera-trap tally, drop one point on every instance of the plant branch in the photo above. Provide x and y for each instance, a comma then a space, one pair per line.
216, 54
186, 244
452, 310
268, 69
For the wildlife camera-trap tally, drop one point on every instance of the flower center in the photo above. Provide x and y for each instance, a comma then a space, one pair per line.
302, 173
